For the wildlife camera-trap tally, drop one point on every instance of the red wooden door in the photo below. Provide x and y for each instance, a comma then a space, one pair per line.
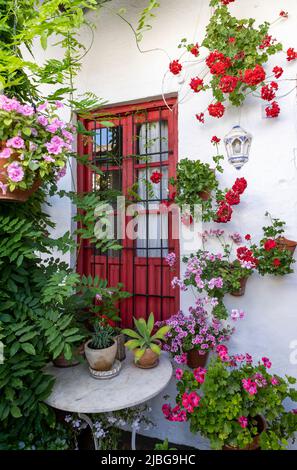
143, 140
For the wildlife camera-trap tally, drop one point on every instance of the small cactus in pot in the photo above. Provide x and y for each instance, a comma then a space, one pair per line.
101, 349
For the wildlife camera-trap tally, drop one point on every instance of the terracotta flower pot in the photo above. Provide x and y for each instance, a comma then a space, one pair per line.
149, 360
195, 359
241, 291
255, 444
61, 362
18, 195
121, 352
101, 359
283, 243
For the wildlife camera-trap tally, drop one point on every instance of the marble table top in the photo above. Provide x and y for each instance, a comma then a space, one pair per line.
76, 391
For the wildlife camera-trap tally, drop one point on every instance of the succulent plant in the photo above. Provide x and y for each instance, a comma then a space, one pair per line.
143, 338
103, 337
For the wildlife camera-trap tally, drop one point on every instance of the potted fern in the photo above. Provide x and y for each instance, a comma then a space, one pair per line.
101, 349
146, 345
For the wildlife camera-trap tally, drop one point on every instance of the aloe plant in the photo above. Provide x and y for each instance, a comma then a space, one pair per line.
142, 338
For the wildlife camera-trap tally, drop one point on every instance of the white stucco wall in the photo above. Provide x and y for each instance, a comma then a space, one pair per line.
116, 71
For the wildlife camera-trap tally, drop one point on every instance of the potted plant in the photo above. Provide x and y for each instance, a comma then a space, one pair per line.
192, 337
34, 147
236, 404
101, 350
146, 345
274, 253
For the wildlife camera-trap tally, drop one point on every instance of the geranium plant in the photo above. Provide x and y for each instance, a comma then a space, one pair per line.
214, 274
35, 144
236, 403
194, 331
270, 256
197, 187
232, 68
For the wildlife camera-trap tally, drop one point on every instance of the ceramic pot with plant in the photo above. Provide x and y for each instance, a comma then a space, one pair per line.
192, 337
145, 344
235, 403
101, 350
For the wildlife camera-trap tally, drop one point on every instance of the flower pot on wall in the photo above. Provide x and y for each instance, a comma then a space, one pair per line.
255, 445
283, 243
195, 359
18, 195
101, 359
241, 291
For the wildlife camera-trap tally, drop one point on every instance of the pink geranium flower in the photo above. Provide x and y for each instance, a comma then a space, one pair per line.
16, 142
199, 374
249, 386
179, 374
15, 172
243, 421
266, 362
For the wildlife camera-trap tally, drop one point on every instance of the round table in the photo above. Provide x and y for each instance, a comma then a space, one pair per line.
76, 391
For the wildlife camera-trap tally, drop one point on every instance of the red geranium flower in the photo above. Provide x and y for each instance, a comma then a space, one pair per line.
247, 237
228, 83
276, 262
232, 198
291, 54
284, 14
156, 177
196, 84
273, 110
195, 50
244, 254
200, 117
267, 42
215, 140
226, 2
224, 212
232, 40
218, 63
240, 185
175, 67
269, 245
278, 71
216, 110
253, 77
268, 91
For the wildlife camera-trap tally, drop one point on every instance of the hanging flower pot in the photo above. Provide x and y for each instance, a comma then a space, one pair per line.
255, 444
283, 243
241, 291
34, 147
195, 359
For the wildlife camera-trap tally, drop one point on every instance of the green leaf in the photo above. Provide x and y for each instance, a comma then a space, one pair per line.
15, 411
28, 348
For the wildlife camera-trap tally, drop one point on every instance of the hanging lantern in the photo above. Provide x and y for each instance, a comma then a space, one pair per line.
238, 144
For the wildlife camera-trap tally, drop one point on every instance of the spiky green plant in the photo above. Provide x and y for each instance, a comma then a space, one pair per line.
103, 337
143, 338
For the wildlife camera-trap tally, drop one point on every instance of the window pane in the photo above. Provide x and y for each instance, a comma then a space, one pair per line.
108, 144
153, 140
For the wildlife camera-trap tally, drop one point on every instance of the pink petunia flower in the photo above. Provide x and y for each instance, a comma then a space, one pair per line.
16, 142
6, 153
15, 172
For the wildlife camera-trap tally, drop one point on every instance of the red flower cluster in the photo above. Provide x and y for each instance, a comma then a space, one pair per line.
253, 77
218, 63
224, 213
232, 40
270, 244
273, 110
195, 50
240, 185
291, 54
228, 83
156, 177
267, 42
216, 110
175, 67
284, 14
278, 71
244, 254
200, 117
196, 84
215, 140
233, 198
226, 2
268, 91
276, 262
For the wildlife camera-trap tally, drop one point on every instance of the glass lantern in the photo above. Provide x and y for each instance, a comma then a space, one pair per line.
238, 144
